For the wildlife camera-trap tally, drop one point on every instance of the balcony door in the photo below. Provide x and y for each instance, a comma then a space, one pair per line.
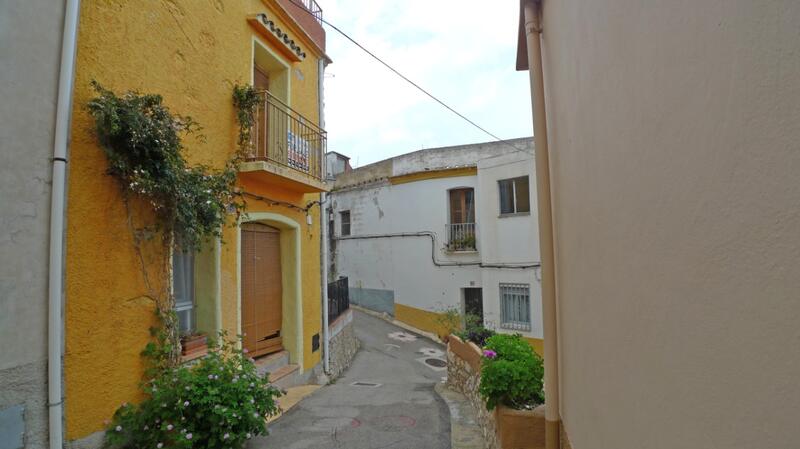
262, 292
261, 82
462, 206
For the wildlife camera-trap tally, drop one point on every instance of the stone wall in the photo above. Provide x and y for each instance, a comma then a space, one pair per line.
343, 344
463, 375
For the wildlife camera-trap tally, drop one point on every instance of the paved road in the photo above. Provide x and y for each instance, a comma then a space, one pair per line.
401, 412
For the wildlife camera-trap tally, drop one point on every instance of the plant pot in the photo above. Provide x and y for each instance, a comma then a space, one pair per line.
193, 344
520, 429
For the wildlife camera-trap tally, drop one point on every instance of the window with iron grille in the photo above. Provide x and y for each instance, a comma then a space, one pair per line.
345, 222
515, 307
514, 195
183, 289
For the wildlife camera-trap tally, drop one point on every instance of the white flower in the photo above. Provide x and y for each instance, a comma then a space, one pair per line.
170, 427
119, 428
226, 436
208, 201
255, 415
164, 405
146, 427
188, 436
248, 435
252, 401
187, 388
216, 406
186, 403
160, 445
216, 377
210, 376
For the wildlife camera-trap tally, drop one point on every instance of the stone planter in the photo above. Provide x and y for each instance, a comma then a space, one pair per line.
503, 428
520, 429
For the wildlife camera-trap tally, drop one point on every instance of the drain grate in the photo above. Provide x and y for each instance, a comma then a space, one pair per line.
365, 384
437, 363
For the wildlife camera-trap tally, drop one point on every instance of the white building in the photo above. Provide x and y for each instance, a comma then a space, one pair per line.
442, 228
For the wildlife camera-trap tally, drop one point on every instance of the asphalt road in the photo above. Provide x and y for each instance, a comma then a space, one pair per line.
394, 407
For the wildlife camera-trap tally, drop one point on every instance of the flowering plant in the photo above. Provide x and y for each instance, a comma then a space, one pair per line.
142, 141
511, 373
218, 402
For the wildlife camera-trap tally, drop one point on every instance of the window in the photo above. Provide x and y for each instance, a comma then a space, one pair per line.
514, 195
345, 222
515, 307
461, 228
183, 288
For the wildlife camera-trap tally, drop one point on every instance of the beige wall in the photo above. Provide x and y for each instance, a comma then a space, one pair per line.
675, 140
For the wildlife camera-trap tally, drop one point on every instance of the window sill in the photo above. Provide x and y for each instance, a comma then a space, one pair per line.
515, 214
461, 251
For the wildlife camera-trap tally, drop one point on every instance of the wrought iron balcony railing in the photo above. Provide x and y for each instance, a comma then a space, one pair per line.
282, 136
461, 237
314, 9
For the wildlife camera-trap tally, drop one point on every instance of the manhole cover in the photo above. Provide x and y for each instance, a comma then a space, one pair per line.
438, 363
365, 384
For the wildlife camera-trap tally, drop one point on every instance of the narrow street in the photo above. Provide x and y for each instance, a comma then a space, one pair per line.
386, 399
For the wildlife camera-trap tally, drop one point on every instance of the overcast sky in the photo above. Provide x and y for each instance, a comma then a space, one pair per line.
461, 51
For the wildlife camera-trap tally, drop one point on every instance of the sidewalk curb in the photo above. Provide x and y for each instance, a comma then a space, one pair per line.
465, 433
389, 319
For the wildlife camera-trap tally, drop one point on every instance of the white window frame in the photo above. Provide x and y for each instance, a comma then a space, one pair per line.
514, 204
517, 314
182, 306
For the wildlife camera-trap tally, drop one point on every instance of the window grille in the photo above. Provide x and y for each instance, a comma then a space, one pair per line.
515, 307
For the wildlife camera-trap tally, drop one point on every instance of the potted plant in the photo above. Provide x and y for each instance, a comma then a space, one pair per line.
512, 385
194, 344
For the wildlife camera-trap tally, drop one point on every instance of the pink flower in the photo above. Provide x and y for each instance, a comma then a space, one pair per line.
489, 354
245, 350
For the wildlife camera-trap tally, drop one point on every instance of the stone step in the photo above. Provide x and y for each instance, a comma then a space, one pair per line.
272, 362
285, 377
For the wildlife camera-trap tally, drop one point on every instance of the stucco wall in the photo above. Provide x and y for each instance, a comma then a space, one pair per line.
674, 132
28, 87
396, 275
192, 54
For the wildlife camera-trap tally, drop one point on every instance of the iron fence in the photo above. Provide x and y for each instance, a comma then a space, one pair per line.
338, 298
461, 237
283, 136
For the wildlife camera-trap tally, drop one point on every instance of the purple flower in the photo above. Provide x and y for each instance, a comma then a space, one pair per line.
489, 354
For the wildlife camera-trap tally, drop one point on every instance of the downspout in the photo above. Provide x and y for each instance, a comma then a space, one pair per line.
55, 320
552, 414
323, 225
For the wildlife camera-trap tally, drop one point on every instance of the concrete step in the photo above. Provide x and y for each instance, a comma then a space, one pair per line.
285, 377
272, 362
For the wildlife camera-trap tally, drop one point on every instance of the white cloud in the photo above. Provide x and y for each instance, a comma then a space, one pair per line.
463, 52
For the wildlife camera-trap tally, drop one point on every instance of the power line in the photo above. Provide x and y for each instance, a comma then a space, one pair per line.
405, 78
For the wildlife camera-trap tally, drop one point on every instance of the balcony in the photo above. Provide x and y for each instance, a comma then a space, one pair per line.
287, 145
307, 14
461, 237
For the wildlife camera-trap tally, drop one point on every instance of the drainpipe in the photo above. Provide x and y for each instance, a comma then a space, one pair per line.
55, 321
323, 225
552, 413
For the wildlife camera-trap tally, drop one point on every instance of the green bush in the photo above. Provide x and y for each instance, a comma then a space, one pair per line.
511, 373
218, 402
474, 330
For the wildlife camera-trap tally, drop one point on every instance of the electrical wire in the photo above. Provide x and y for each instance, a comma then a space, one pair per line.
405, 78
432, 236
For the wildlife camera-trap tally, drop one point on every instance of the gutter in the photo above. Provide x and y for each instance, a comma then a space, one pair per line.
533, 28
323, 235
55, 322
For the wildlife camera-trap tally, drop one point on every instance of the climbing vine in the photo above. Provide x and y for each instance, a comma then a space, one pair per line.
142, 140
246, 99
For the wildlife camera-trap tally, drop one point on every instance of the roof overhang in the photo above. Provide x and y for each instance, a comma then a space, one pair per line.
522, 43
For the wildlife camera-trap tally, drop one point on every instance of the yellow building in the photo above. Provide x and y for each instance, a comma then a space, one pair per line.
193, 54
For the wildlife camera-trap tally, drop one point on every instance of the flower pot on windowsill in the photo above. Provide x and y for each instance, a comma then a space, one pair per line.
194, 345
520, 429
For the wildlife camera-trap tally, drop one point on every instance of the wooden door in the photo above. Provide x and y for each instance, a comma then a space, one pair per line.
261, 289
261, 82
473, 302
462, 206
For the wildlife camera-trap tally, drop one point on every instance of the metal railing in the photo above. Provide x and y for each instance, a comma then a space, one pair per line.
314, 9
338, 298
461, 237
281, 135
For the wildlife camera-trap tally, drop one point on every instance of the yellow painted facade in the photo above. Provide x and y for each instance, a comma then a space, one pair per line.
192, 53
431, 322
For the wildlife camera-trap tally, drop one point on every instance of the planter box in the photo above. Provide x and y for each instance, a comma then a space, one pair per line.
520, 429
466, 350
193, 344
